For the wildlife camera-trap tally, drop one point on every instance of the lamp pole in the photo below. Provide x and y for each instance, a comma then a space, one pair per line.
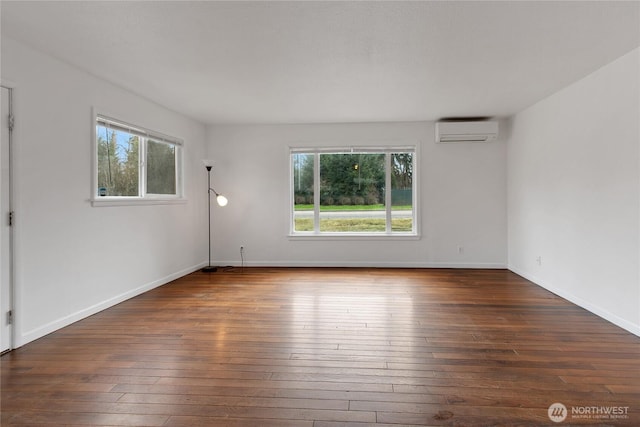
209, 268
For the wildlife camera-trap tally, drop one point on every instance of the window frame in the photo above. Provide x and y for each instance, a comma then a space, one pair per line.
143, 198
388, 234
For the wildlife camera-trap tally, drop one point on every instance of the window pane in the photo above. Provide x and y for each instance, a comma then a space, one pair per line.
161, 168
354, 189
118, 166
303, 192
402, 192
352, 193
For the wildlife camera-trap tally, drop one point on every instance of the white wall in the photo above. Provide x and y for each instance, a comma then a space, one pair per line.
72, 259
462, 198
574, 193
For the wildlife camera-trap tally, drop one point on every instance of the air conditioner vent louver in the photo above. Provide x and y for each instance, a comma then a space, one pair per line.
478, 131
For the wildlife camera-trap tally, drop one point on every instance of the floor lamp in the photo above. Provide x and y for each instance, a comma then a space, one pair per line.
222, 201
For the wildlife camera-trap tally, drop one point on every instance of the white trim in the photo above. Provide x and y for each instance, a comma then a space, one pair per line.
50, 327
137, 201
389, 190
415, 201
364, 264
11, 153
384, 148
598, 311
94, 154
16, 202
316, 196
310, 235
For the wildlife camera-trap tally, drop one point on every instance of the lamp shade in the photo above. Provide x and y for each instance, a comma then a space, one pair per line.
222, 201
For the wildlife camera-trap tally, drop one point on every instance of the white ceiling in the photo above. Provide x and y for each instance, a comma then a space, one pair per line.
315, 62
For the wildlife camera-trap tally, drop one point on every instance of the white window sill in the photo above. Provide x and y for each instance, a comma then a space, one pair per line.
138, 201
352, 236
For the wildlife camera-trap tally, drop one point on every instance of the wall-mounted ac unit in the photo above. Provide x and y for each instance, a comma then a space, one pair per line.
479, 131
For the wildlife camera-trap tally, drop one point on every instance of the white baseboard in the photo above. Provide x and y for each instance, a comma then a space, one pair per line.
598, 311
365, 264
50, 327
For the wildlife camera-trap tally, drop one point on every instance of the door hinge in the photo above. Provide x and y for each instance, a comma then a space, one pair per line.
10, 219
10, 317
11, 122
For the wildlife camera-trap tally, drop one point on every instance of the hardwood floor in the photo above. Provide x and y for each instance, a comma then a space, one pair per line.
328, 348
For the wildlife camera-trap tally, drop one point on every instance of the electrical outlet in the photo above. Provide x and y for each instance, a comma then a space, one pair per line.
539, 260
460, 250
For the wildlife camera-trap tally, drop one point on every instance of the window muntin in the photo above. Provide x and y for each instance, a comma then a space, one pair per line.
134, 163
344, 193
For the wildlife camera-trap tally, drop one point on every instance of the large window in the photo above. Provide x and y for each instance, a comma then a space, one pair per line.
354, 192
135, 164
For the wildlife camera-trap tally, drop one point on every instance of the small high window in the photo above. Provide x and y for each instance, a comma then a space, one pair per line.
135, 164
